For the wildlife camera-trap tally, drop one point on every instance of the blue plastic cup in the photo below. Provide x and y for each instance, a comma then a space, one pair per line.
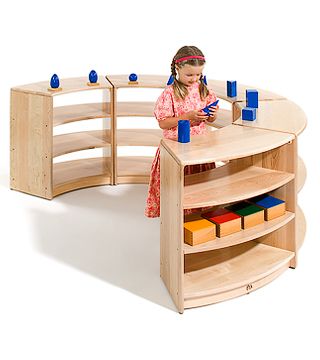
184, 131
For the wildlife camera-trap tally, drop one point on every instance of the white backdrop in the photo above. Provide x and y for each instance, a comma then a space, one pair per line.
75, 282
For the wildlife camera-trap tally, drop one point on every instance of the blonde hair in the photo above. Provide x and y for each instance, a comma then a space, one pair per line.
179, 89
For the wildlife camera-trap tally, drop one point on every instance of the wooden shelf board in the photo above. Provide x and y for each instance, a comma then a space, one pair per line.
68, 143
69, 85
301, 174
77, 174
139, 137
134, 169
69, 113
277, 115
301, 226
241, 236
135, 108
230, 142
144, 81
224, 118
222, 271
229, 184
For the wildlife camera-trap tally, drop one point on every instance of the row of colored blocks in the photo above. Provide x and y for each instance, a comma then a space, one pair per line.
229, 220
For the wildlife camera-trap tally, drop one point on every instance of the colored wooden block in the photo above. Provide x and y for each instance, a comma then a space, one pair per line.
251, 215
249, 114
252, 98
226, 221
272, 206
199, 231
231, 88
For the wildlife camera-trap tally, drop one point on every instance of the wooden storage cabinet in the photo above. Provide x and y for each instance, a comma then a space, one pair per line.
242, 262
33, 146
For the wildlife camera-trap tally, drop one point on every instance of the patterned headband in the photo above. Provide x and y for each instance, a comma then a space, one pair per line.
190, 57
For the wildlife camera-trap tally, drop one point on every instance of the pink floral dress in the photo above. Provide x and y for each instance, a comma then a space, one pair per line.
168, 106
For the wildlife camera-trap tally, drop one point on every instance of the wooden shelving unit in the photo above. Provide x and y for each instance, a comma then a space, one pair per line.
259, 157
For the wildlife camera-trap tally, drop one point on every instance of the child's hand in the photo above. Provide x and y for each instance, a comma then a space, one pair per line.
213, 113
196, 116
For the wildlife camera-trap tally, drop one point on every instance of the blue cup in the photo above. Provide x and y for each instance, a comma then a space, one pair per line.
184, 131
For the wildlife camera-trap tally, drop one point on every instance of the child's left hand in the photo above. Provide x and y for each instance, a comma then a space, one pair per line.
213, 113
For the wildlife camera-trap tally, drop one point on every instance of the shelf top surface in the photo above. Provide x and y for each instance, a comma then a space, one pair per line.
230, 142
278, 115
67, 86
143, 81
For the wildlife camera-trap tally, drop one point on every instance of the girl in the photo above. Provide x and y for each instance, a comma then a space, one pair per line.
183, 100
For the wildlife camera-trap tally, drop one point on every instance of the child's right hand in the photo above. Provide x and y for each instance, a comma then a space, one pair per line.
196, 116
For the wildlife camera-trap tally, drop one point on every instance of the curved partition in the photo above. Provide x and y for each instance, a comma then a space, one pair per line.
260, 157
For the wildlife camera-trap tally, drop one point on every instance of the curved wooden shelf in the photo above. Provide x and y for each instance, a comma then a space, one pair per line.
77, 174
134, 169
230, 142
68, 143
139, 137
219, 275
277, 115
69, 85
242, 236
301, 174
229, 184
224, 119
301, 226
70, 113
144, 81
135, 108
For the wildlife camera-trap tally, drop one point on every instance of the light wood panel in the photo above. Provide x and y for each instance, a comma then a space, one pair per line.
229, 184
222, 271
301, 225
230, 142
69, 85
67, 143
77, 174
139, 137
70, 113
224, 118
242, 236
144, 81
301, 174
171, 227
135, 108
278, 115
31, 144
134, 169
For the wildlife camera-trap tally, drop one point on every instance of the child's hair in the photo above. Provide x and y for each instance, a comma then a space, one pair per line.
179, 89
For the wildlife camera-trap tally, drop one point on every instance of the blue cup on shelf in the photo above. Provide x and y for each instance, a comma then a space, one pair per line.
93, 77
184, 131
54, 82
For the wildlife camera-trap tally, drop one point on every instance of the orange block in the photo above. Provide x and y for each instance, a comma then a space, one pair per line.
199, 231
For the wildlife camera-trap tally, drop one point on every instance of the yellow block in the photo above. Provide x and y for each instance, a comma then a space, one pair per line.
199, 231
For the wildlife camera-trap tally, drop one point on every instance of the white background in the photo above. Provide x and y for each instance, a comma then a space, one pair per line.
79, 275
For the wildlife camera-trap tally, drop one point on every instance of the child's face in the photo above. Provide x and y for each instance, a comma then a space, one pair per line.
189, 74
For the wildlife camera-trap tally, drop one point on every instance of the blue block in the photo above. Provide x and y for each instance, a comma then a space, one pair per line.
248, 114
252, 98
231, 88
266, 201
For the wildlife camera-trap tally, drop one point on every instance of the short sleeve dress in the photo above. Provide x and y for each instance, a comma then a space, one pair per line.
168, 106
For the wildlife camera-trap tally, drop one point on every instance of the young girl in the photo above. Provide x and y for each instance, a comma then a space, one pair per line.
183, 100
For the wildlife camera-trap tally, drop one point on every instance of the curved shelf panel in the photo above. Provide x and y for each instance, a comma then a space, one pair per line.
219, 275
144, 81
301, 174
277, 115
242, 236
69, 85
229, 184
70, 113
301, 226
135, 108
230, 142
133, 169
139, 137
77, 174
68, 143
